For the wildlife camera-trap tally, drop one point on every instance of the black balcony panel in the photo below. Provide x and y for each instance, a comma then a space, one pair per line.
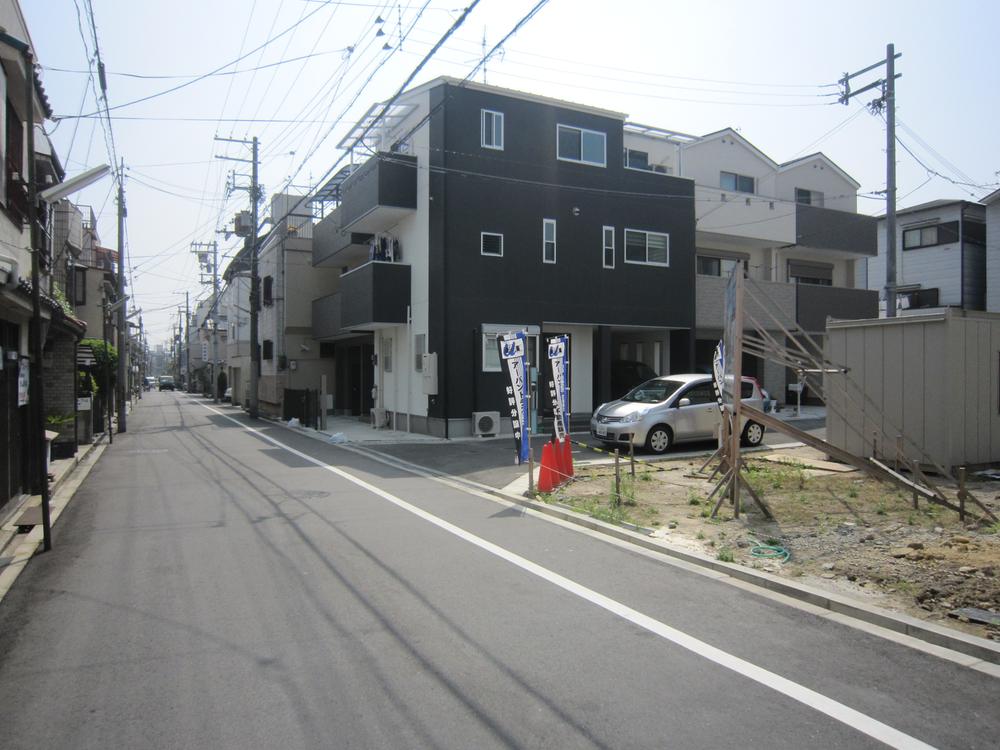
336, 247
326, 316
379, 193
814, 303
375, 295
829, 229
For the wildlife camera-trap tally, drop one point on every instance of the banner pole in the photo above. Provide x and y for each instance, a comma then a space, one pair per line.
527, 432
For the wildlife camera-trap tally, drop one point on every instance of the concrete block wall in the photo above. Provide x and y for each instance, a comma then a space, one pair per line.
59, 377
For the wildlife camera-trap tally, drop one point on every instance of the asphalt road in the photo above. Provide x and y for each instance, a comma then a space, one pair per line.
490, 461
211, 587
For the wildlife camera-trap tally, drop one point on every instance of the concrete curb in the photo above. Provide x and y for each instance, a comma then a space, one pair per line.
21, 548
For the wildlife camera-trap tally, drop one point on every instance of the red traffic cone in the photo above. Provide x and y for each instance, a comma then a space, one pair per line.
567, 463
545, 479
558, 471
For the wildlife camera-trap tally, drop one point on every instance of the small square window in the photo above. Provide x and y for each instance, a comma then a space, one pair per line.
491, 243
491, 129
548, 240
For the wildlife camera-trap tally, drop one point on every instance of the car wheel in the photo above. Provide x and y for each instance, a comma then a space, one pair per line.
659, 439
753, 434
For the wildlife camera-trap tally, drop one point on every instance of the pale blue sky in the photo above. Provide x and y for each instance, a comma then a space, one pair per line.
764, 68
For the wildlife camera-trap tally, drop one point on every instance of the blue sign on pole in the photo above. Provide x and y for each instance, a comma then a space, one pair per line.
514, 358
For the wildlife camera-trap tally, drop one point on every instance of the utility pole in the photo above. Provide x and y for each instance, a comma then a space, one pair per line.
36, 390
187, 340
886, 102
123, 359
210, 265
254, 190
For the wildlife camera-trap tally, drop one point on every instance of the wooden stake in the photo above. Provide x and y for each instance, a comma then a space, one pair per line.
961, 493
618, 480
631, 456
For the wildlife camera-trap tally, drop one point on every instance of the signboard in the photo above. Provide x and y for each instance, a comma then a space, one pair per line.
514, 362
23, 380
559, 384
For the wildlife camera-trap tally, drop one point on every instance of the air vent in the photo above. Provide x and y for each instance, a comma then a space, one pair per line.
485, 423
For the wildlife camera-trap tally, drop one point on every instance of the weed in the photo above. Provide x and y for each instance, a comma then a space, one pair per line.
880, 509
700, 535
993, 528
711, 542
772, 541
646, 476
626, 491
724, 555
853, 492
705, 512
911, 520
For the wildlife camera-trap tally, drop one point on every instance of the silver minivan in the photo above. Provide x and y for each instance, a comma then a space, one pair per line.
671, 409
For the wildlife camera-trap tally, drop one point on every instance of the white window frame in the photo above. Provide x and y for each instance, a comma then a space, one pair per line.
497, 119
647, 262
582, 131
482, 235
605, 247
546, 223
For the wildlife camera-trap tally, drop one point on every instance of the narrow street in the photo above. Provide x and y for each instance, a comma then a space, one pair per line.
217, 585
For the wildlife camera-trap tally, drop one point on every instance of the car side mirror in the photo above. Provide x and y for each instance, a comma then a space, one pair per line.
684, 402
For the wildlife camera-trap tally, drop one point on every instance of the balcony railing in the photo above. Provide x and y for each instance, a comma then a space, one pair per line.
379, 193
375, 295
815, 303
829, 229
337, 247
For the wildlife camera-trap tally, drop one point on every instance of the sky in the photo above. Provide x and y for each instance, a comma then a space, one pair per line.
298, 74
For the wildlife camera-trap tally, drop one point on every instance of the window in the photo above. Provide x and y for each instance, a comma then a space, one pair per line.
491, 357
548, 240
651, 248
79, 286
419, 348
636, 159
706, 266
808, 197
267, 349
268, 291
609, 247
703, 393
922, 237
386, 354
737, 183
491, 243
800, 272
491, 129
584, 146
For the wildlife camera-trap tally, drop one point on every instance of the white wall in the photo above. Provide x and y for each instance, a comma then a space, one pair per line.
993, 256
581, 366
703, 161
816, 174
938, 266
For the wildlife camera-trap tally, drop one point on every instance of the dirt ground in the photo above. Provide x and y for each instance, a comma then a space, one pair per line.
843, 531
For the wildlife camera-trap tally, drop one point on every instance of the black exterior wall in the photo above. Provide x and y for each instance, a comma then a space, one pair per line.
474, 190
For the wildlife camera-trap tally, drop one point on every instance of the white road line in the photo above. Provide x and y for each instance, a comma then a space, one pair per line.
834, 709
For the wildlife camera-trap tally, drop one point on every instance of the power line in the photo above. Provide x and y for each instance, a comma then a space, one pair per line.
180, 86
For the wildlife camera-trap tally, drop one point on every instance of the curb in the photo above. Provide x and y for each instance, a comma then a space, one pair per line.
21, 548
980, 649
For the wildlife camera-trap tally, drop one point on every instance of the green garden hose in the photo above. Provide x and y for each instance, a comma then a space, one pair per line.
770, 552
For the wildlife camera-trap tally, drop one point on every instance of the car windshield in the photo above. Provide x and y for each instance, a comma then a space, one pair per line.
653, 391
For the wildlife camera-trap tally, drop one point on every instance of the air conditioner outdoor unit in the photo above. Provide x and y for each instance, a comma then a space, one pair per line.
485, 423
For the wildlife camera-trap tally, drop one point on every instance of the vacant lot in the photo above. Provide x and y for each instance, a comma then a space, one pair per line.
841, 530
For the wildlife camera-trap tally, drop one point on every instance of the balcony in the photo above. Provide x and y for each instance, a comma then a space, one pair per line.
374, 295
379, 193
756, 219
815, 303
778, 296
336, 247
326, 316
828, 229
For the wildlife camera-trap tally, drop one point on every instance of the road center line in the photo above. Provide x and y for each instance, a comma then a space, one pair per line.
834, 709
